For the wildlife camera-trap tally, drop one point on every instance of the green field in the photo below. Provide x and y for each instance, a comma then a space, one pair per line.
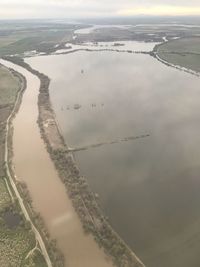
4, 41
184, 52
34, 37
17, 241
9, 87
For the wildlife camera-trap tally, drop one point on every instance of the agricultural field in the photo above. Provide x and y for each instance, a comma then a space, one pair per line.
9, 87
18, 247
16, 237
30, 37
40, 37
184, 52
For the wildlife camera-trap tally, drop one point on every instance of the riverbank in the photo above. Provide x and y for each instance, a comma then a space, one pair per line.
34, 167
16, 205
18, 190
78, 189
182, 54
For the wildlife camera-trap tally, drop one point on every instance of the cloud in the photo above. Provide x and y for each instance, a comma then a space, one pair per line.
161, 10
75, 8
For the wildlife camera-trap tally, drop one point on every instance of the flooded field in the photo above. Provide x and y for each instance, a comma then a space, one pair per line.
116, 46
148, 188
32, 165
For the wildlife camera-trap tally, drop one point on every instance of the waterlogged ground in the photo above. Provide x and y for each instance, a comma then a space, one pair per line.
116, 46
148, 188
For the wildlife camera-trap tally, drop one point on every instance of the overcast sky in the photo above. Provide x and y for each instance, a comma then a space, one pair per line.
90, 8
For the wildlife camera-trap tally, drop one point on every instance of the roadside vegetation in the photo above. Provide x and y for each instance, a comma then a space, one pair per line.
17, 239
16, 236
9, 87
184, 52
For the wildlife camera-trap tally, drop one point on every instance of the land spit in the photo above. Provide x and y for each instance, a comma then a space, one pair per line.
55, 207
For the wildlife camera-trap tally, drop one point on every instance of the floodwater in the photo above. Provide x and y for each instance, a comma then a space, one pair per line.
121, 46
148, 188
92, 28
33, 166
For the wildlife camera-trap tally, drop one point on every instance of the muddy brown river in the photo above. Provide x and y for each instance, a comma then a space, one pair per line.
33, 166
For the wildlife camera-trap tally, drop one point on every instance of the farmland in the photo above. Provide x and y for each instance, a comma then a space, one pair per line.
17, 39
184, 52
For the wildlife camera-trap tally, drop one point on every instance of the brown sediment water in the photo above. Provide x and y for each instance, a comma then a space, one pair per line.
32, 165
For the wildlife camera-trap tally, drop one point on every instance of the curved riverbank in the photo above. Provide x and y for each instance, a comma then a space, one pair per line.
155, 53
83, 199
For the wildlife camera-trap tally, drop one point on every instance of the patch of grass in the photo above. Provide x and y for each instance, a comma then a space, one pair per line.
14, 245
189, 44
5, 198
4, 40
35, 260
9, 86
187, 61
41, 40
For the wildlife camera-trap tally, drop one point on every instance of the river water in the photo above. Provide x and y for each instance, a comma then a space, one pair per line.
33, 165
148, 188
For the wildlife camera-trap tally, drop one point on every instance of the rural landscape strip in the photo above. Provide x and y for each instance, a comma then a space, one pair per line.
13, 185
83, 199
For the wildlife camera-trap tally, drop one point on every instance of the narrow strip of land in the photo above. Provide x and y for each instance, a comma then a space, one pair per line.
117, 141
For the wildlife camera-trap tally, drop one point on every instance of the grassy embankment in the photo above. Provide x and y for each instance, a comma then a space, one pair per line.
184, 52
16, 240
83, 199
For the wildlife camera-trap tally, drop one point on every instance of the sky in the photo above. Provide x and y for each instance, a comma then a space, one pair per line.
16, 9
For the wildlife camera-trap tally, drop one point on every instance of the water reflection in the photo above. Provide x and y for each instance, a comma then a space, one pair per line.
148, 188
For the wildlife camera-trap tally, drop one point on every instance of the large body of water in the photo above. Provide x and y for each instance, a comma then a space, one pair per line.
148, 188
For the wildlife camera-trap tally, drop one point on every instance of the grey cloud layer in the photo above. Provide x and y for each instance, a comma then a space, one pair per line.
49, 8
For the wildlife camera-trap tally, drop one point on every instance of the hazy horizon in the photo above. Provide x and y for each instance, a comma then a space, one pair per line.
35, 9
